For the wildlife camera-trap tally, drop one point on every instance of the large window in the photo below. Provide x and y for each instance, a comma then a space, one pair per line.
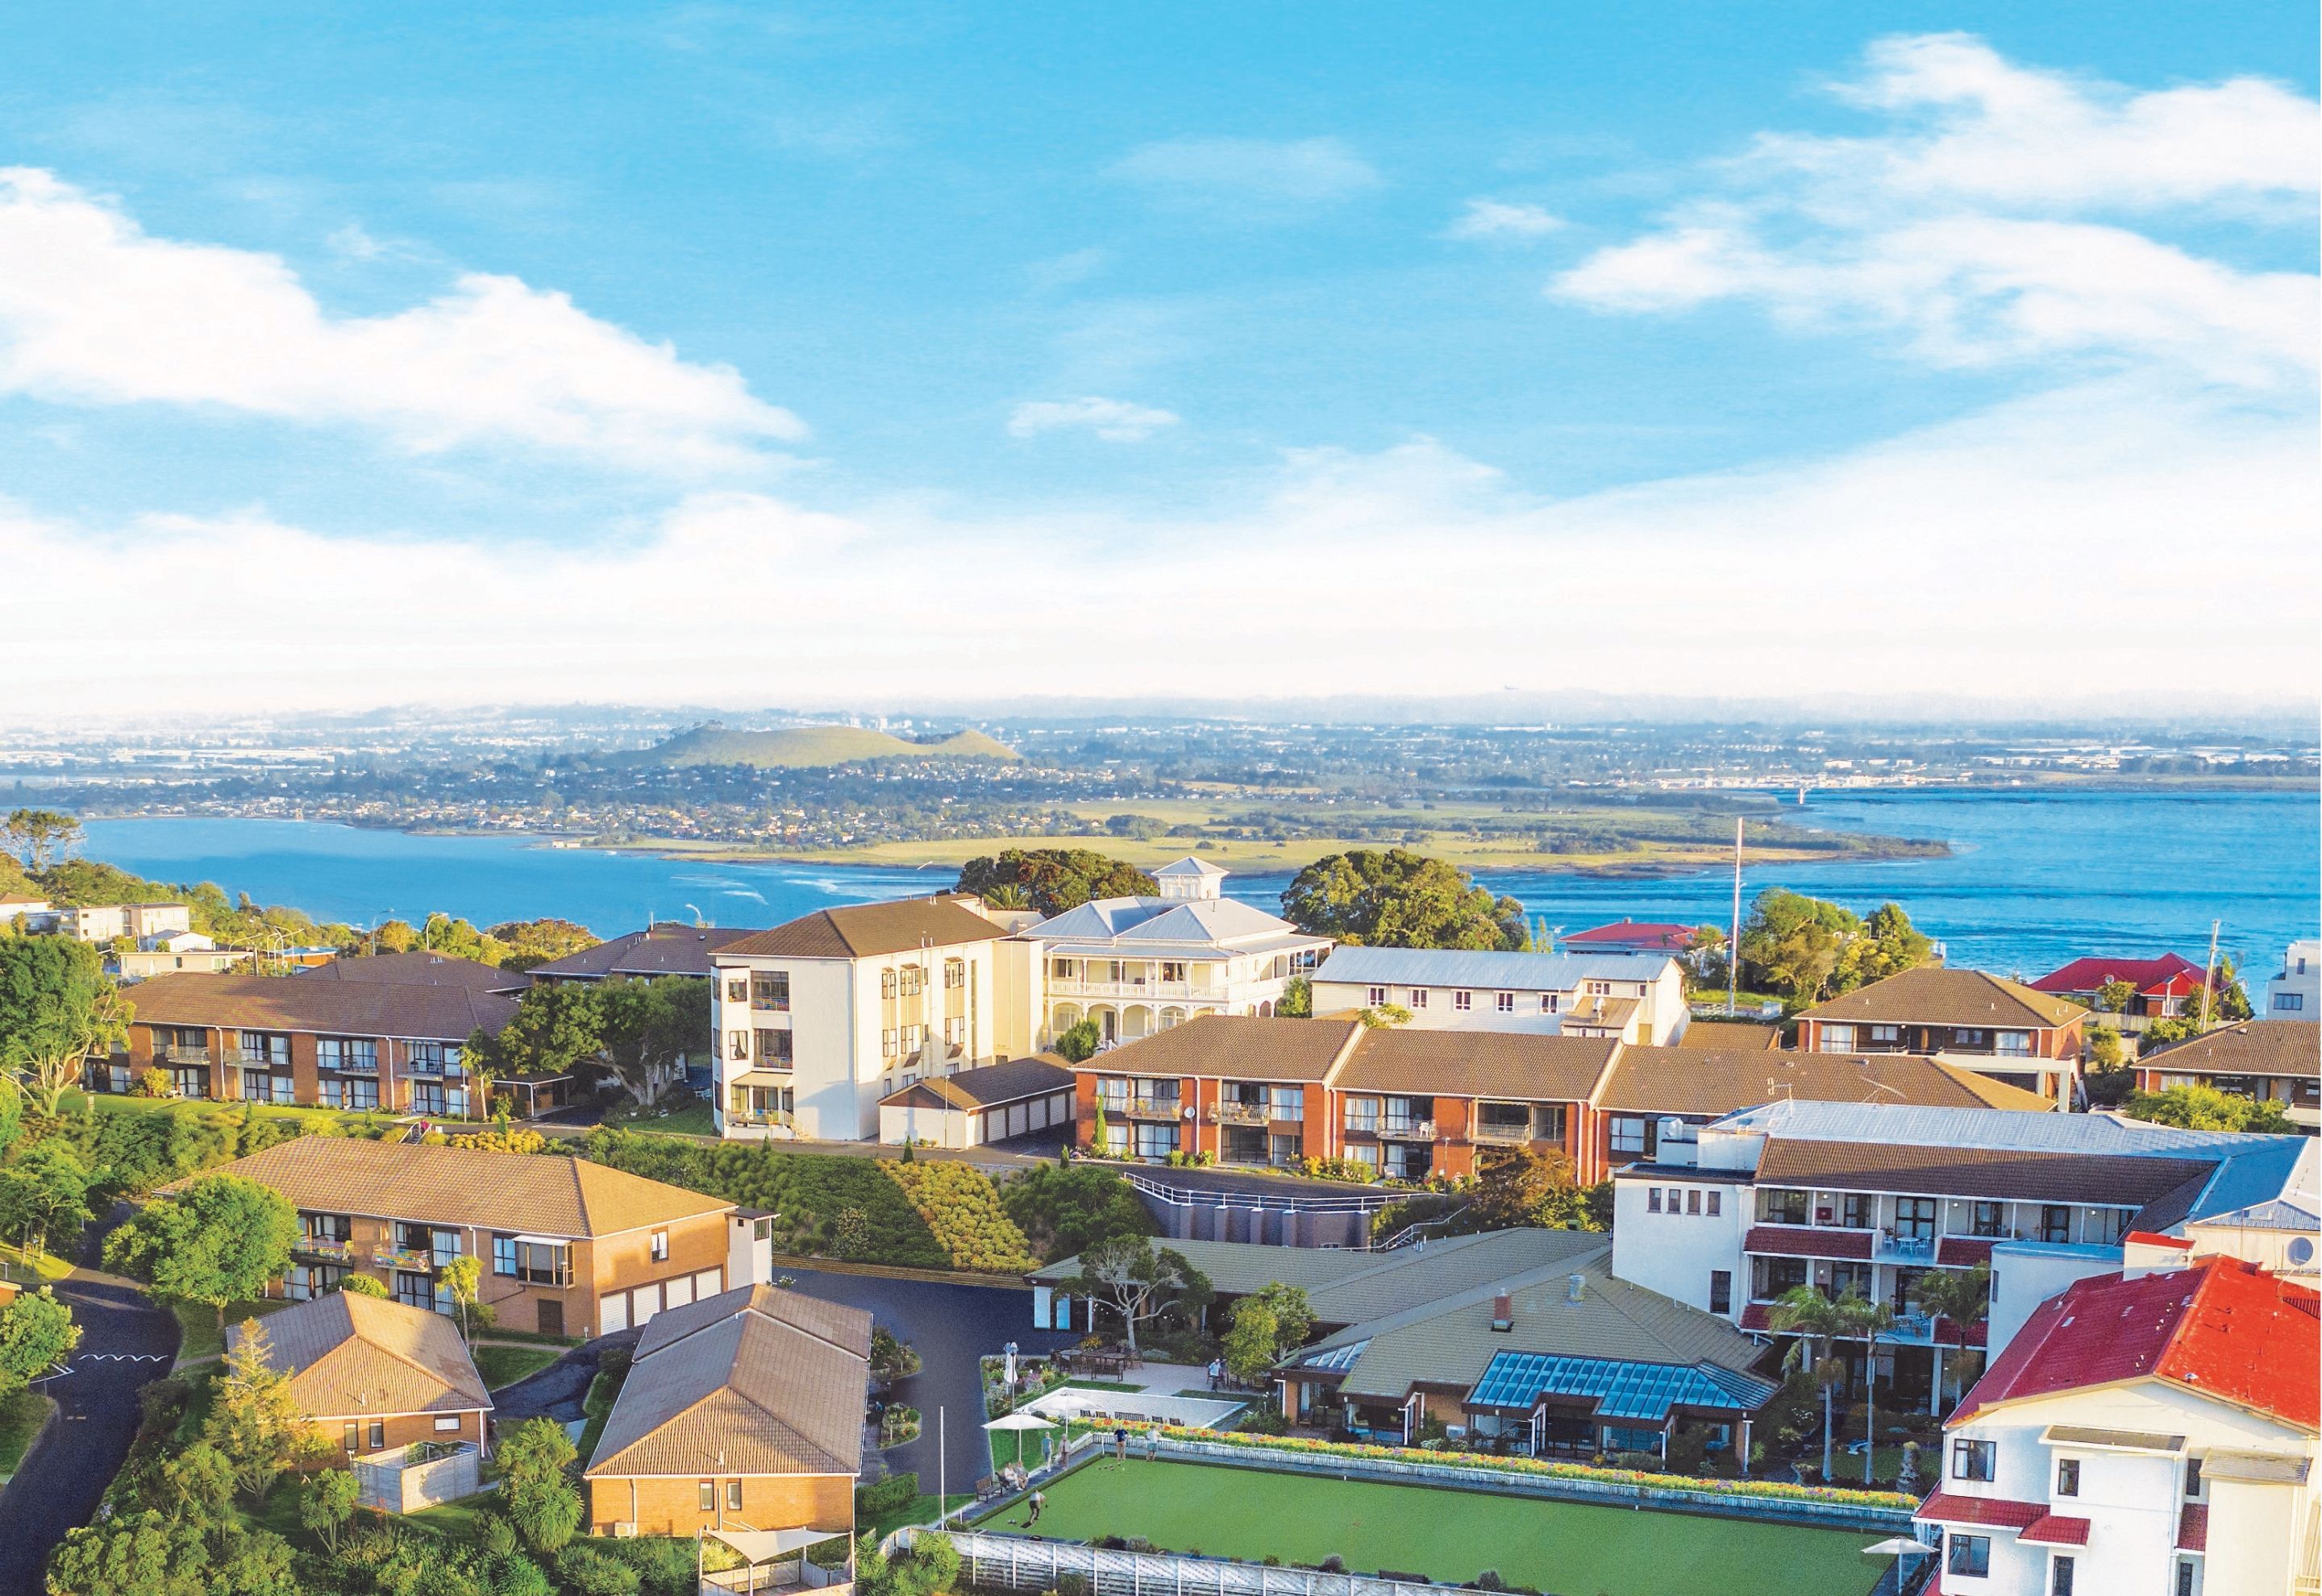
302, 1283
1838, 1038
1770, 1277
1285, 1102
1966, 1555
773, 1048
355, 1092
1631, 1135
1776, 1206
770, 988
346, 1053
1974, 1460
266, 1050
1720, 1290
427, 1098
534, 1263
2013, 1045
1991, 1219
259, 1086
2068, 1476
2055, 1222
1915, 1217
1155, 1142
1363, 1115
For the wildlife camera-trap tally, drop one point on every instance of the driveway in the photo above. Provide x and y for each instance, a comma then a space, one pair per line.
556, 1392
950, 1327
125, 1341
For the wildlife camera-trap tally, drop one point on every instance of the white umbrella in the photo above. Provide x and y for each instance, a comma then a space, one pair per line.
1018, 1422
1900, 1546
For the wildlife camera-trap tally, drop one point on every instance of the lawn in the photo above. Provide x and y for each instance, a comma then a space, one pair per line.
922, 1509
677, 1115
198, 1320
505, 1366
32, 1269
22, 1414
1450, 1535
597, 1405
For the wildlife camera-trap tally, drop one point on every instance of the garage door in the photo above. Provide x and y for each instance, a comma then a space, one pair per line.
1040, 1115
614, 1309
709, 1282
643, 1303
678, 1292
1019, 1120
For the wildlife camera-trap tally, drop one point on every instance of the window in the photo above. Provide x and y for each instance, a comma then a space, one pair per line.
1155, 1141
1720, 1290
708, 1496
1285, 1102
1629, 1135
773, 1048
733, 1496
1968, 1555
2185, 1576
1693, 1202
2192, 1478
1886, 1033
1506, 1003
1775, 1276
1600, 989
1837, 1039
770, 988
2106, 1227
2013, 1045
914, 980
1915, 1217
1848, 1276
1854, 1210
956, 975
1968, 1037
2055, 1222
2068, 1476
261, 1048
1172, 970
346, 1053
357, 1093
1713, 1204
1973, 1459
504, 1255
1547, 1002
886, 989
2060, 1577
1112, 1091
2284, 1002
1378, 995
352, 1437
1461, 1001
1652, 1199
1363, 1115
1780, 1207
377, 1433
1991, 1219
1419, 997
887, 1043
660, 1246
447, 1424
539, 1263
738, 1047
737, 990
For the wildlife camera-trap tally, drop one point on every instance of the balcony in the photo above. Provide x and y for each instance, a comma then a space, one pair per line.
331, 1252
1891, 1248
1145, 1108
347, 1067
175, 1053
1149, 991
1406, 1130
1232, 1113
391, 1257
1500, 1136
235, 1058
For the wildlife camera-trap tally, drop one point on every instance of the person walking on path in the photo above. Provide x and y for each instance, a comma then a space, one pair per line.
1217, 1369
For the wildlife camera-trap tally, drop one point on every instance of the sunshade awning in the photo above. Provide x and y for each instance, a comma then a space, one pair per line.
761, 1078
760, 1546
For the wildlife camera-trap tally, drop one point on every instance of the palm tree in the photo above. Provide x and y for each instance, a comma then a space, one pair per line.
1963, 1296
1006, 895
1872, 1319
1817, 1322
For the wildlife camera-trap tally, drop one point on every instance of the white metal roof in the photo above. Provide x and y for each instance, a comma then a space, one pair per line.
1452, 967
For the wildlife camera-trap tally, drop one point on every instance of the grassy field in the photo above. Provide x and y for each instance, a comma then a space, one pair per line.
676, 1117
922, 1509
22, 1414
505, 1366
1450, 1535
198, 1320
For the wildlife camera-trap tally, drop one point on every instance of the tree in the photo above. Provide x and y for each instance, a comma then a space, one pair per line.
363, 1285
1078, 1043
1401, 899
526, 943
463, 1278
541, 1502
1065, 1210
1818, 1322
1250, 1341
1963, 1296
1053, 879
1384, 1017
220, 1240
1793, 943
57, 1007
1887, 945
1294, 1315
1517, 1186
1127, 1275
44, 1193
254, 1421
36, 1334
327, 1501
1006, 895
2116, 995
2205, 1107
40, 837
555, 1030
646, 1027
2104, 1048
1297, 999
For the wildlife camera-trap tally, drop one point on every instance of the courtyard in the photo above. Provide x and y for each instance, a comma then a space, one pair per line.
1569, 1548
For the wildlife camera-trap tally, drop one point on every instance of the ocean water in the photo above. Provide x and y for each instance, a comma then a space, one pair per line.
2034, 877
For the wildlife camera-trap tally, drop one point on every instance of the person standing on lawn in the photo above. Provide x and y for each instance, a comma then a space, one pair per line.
1119, 1444
1039, 1500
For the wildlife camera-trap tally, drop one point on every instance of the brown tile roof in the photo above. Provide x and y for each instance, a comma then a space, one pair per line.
545, 1194
665, 948
1234, 1047
419, 969
334, 1008
754, 1380
2124, 1180
2253, 1047
994, 1084
866, 930
1687, 1081
1934, 995
351, 1357
1478, 1064
1730, 1035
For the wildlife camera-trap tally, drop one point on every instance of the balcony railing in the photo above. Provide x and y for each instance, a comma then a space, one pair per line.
346, 1066
772, 1120
236, 1059
387, 1257
1406, 1130
175, 1053
1890, 1248
1232, 1113
337, 1252
1146, 1107
1482, 1131
1150, 990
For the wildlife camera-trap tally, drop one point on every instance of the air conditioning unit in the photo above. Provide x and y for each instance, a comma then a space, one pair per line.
626, 1530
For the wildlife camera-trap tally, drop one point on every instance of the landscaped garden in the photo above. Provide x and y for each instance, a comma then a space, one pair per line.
1446, 1536
505, 1366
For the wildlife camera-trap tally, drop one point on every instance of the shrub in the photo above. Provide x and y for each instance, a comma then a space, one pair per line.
890, 1495
1065, 1210
587, 1572
962, 1211
501, 1140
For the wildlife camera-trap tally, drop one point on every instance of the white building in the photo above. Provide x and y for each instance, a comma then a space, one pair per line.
2295, 992
1636, 998
2150, 1433
171, 951
33, 912
1138, 965
1868, 1197
105, 922
820, 1018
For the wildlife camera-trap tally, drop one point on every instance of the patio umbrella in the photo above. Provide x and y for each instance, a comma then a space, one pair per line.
1019, 1423
1900, 1546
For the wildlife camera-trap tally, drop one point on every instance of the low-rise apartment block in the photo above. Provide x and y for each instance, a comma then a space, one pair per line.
308, 1039
665, 947
1630, 997
2268, 1060
373, 1377
1979, 1021
2147, 1434
2294, 991
568, 1247
176, 953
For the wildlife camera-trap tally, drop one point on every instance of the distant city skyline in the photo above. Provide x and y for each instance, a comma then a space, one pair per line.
922, 356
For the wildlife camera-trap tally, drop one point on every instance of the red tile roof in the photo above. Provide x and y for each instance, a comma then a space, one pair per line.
1661, 936
1995, 1512
2049, 1530
1793, 1242
2193, 1528
2169, 975
1754, 1317
1962, 1252
2223, 1327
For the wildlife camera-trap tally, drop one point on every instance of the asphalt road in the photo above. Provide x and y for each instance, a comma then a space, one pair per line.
124, 1342
950, 1327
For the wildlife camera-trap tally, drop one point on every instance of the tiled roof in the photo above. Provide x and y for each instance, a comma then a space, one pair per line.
351, 1357
1823, 1242
1993, 1512
1962, 1252
545, 1194
668, 947
1651, 934
2221, 1326
2253, 1047
750, 1381
1008, 1082
419, 969
1730, 1035
1933, 995
869, 930
1685, 1080
1478, 1065
1233, 1046
1173, 928
2171, 971
1972, 1171
1484, 971
342, 1008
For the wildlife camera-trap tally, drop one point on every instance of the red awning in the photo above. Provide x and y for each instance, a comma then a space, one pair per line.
2050, 1531
1993, 1512
1793, 1242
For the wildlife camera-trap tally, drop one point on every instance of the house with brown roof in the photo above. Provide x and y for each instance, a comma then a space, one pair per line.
742, 1417
374, 1377
420, 967
1994, 1026
309, 1039
819, 1019
568, 1247
2270, 1061
972, 1107
665, 947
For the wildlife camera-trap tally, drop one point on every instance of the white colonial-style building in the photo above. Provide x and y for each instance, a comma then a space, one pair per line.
1633, 998
1138, 965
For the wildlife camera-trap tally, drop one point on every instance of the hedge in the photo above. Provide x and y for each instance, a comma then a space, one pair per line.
961, 1208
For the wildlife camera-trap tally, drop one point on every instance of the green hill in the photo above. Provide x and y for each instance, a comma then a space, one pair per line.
808, 747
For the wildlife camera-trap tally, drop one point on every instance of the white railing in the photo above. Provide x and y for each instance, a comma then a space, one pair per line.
1003, 1561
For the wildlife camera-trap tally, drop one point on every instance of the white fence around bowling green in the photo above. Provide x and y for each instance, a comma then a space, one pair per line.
1006, 1561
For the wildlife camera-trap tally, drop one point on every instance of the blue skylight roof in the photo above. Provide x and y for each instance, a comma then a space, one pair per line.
1621, 1389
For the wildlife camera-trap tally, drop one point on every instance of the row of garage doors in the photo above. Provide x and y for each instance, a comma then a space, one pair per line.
1017, 1119
621, 1310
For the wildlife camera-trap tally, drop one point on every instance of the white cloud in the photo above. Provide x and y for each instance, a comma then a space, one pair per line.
1483, 219
1978, 558
1298, 174
1116, 421
1984, 225
94, 311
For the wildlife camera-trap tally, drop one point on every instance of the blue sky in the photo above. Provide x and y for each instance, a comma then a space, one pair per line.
891, 336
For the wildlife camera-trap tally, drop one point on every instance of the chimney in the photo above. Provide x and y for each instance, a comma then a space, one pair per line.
1576, 1287
1504, 1313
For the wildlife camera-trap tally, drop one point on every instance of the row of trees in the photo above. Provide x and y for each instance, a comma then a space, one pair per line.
1808, 949
635, 1028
